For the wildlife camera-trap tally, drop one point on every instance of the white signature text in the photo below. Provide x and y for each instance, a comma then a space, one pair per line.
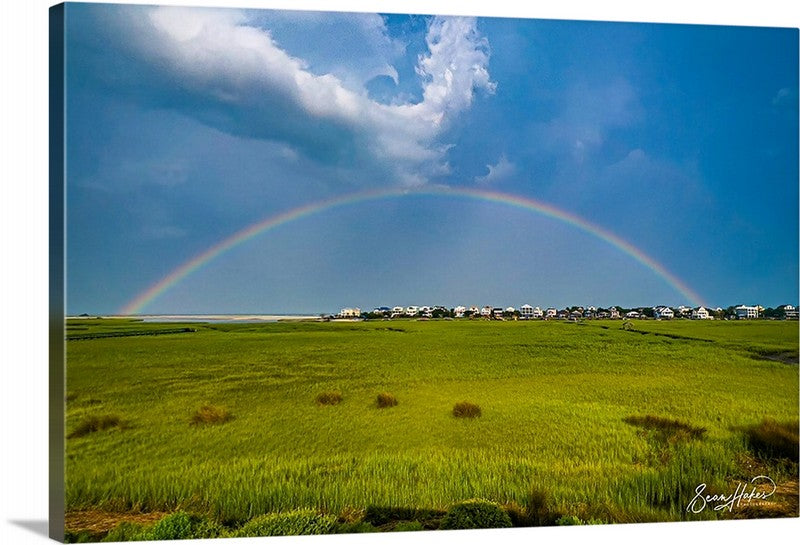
719, 502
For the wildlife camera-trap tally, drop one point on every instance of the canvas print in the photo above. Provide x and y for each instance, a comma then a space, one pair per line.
331, 272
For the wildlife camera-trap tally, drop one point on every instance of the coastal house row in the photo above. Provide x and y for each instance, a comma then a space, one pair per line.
529, 312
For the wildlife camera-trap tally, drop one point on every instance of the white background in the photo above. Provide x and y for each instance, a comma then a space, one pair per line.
24, 201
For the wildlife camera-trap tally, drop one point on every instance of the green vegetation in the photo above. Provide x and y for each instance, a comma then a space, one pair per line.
472, 514
292, 523
386, 400
466, 409
329, 398
578, 420
209, 414
92, 423
772, 439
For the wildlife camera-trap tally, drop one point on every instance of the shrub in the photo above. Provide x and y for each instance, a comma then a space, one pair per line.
94, 423
773, 439
386, 400
476, 513
175, 526
291, 523
178, 525
465, 409
210, 414
330, 397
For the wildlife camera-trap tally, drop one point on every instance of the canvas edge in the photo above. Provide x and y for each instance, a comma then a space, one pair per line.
56, 273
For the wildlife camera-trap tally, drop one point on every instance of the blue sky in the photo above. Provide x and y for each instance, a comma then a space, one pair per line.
185, 126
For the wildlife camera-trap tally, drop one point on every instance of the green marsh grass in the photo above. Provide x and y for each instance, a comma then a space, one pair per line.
553, 395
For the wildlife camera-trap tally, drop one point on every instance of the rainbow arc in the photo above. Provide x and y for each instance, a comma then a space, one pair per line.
137, 305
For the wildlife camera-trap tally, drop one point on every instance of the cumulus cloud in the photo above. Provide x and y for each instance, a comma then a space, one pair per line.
222, 68
499, 172
362, 46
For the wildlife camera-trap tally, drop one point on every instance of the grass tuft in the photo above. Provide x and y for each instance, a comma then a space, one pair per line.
386, 400
466, 409
773, 439
665, 428
211, 414
96, 423
330, 397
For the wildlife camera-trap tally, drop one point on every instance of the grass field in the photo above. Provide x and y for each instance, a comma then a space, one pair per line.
578, 421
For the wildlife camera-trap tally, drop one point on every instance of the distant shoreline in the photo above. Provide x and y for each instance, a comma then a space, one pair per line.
207, 317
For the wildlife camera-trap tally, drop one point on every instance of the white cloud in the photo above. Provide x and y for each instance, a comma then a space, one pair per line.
247, 84
354, 47
499, 172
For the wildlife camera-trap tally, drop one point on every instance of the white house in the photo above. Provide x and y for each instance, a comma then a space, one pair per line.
663, 313
486, 312
350, 313
700, 314
537, 312
790, 312
632, 314
613, 313
459, 311
550, 313
526, 312
475, 311
412, 310
743, 312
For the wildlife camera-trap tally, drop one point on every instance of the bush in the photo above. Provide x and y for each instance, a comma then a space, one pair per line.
181, 525
331, 397
473, 514
95, 423
210, 414
773, 439
386, 400
465, 409
291, 523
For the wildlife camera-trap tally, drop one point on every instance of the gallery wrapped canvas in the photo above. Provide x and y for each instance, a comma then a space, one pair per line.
338, 273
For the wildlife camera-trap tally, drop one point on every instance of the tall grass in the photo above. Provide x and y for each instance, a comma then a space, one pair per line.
553, 395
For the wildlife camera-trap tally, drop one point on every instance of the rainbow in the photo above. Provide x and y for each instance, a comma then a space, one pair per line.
146, 297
